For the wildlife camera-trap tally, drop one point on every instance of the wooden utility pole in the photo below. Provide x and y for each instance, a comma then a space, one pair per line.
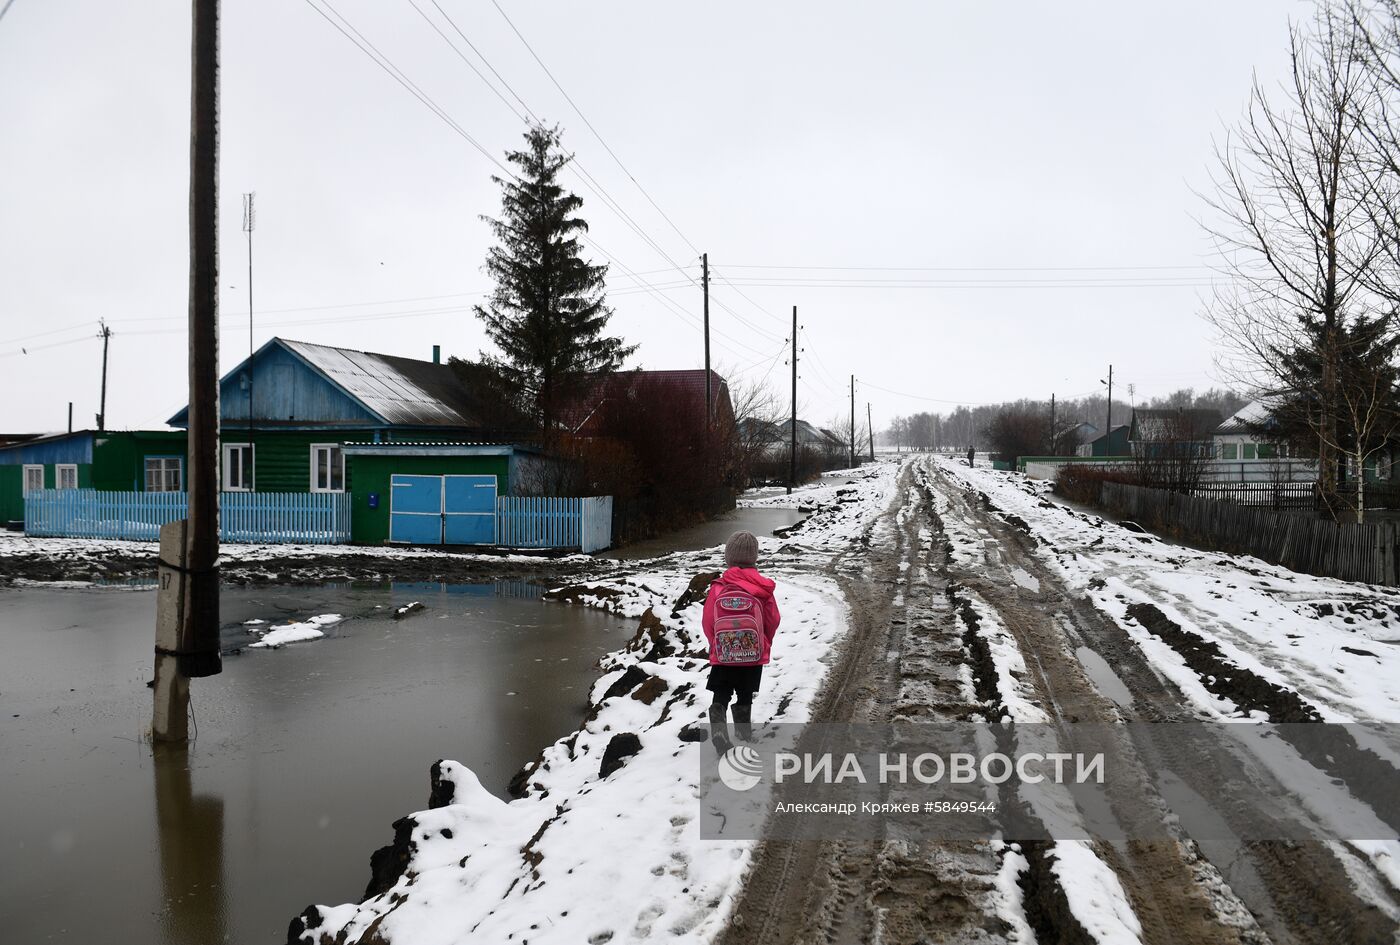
705, 284
1108, 423
250, 220
187, 609
853, 421
870, 430
792, 432
1052, 424
105, 334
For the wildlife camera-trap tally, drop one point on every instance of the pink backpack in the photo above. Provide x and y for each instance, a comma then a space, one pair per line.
738, 628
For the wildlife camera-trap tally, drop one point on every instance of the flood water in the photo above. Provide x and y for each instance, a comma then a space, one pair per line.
305, 755
762, 522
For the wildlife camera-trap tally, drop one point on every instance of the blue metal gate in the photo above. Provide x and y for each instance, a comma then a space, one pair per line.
469, 510
415, 509
438, 510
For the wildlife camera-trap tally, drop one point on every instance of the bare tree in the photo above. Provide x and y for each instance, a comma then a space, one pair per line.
1296, 227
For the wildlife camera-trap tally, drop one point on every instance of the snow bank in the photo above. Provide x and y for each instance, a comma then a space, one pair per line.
588, 858
1334, 642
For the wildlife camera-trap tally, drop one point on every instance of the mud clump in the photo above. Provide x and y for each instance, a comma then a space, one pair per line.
1222, 677
574, 593
695, 593
631, 678
1047, 909
388, 864
984, 669
443, 789
621, 747
651, 690
651, 639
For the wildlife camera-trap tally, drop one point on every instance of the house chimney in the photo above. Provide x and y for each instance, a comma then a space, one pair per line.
437, 354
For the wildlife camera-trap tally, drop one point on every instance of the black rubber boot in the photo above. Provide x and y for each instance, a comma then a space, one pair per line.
719, 729
743, 721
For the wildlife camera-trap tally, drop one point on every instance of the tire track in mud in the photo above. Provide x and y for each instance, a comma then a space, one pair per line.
899, 661
1296, 888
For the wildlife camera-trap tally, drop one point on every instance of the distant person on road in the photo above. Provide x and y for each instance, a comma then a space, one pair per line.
971, 455
740, 619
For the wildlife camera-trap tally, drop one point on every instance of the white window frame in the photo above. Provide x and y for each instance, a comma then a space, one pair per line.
59, 469
228, 449
31, 467
163, 460
315, 485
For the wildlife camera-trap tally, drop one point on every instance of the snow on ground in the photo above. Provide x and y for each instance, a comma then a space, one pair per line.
310, 629
821, 491
587, 859
1334, 642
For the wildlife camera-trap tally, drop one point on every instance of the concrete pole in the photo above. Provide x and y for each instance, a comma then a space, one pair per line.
187, 608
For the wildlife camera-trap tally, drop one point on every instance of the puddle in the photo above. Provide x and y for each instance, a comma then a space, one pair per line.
711, 534
305, 754
1217, 841
1104, 678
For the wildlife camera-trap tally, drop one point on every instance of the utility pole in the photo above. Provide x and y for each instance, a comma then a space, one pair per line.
250, 220
853, 421
705, 284
792, 446
1052, 424
1109, 421
105, 334
870, 429
187, 606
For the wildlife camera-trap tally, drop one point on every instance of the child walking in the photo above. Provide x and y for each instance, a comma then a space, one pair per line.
740, 619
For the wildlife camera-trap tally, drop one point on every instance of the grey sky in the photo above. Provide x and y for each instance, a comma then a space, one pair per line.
988, 136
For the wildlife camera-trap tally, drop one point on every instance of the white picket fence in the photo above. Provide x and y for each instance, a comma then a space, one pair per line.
531, 522
321, 518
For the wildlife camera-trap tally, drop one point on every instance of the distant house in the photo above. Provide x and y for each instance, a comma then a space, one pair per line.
1112, 443
683, 390
300, 417
1249, 434
1153, 431
1070, 438
112, 460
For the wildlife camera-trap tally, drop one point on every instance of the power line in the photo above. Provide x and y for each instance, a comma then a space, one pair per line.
584, 117
971, 268
470, 64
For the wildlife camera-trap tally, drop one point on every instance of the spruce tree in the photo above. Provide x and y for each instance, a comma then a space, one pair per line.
548, 313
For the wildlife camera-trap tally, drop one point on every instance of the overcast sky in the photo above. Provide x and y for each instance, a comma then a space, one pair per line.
1016, 157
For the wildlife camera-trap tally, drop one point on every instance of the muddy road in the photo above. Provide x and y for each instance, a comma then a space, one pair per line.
938, 572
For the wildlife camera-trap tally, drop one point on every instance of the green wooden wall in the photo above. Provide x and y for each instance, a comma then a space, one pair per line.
371, 475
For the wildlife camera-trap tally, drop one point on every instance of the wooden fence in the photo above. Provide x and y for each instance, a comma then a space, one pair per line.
275, 517
528, 522
1298, 541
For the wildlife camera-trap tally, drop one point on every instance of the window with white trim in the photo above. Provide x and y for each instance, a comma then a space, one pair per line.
238, 467
33, 478
65, 476
327, 468
165, 473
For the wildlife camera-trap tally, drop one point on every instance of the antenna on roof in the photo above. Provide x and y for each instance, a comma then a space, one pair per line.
250, 221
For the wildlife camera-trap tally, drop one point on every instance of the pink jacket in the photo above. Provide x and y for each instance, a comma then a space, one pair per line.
761, 588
